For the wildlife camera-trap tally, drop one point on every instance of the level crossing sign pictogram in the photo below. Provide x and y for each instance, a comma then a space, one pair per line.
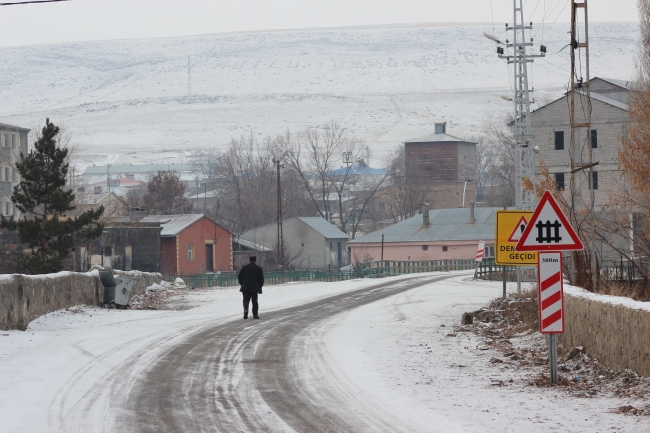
518, 230
548, 229
550, 293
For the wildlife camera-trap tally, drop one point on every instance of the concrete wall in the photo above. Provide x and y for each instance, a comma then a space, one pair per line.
617, 334
25, 297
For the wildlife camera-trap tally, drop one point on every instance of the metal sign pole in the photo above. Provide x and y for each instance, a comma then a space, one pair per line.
552, 357
519, 280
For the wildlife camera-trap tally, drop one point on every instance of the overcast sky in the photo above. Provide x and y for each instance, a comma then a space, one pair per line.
82, 20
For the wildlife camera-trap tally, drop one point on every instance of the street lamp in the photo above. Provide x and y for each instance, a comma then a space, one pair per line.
347, 160
464, 188
278, 165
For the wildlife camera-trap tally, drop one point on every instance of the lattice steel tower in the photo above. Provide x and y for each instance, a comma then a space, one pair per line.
524, 198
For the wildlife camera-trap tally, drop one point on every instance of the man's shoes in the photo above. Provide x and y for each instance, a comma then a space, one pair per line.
256, 317
245, 314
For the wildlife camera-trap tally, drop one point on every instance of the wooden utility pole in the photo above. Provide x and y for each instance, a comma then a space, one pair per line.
580, 86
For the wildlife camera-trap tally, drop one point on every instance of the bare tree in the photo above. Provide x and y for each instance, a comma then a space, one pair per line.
499, 143
404, 195
341, 195
166, 194
207, 162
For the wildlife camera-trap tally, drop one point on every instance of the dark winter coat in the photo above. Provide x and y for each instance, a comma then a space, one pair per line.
251, 278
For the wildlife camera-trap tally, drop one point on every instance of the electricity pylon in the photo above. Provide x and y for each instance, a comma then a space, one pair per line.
525, 169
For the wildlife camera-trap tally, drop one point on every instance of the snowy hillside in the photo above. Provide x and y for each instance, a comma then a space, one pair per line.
387, 84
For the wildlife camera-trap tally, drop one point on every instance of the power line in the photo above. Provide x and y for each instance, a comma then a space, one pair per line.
32, 1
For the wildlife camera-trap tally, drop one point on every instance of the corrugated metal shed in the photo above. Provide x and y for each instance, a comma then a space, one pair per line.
324, 227
172, 224
445, 225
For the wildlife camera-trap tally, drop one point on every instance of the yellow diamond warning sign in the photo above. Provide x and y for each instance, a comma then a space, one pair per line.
510, 224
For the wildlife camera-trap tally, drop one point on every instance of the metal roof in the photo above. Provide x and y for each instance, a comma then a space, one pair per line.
251, 245
324, 227
357, 169
607, 100
8, 126
620, 83
445, 225
431, 138
142, 168
173, 224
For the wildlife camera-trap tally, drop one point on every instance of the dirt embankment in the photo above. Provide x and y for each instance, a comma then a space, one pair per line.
511, 327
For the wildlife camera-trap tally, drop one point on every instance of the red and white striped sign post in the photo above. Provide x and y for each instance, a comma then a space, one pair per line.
550, 293
549, 232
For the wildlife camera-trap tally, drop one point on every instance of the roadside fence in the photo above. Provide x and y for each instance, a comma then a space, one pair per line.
228, 279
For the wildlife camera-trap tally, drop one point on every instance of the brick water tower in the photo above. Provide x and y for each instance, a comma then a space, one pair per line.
446, 165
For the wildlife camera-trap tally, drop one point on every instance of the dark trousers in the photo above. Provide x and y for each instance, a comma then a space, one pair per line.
250, 296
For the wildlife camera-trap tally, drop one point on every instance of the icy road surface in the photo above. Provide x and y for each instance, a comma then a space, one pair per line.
362, 356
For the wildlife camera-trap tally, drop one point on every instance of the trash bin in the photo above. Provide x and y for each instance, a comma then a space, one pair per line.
123, 290
117, 291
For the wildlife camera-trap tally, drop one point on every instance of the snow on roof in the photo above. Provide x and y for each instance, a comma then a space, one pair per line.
252, 245
432, 138
90, 198
324, 227
445, 225
173, 224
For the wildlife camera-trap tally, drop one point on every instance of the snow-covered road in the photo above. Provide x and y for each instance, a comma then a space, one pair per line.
363, 355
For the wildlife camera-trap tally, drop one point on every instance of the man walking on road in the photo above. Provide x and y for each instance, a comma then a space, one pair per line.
251, 279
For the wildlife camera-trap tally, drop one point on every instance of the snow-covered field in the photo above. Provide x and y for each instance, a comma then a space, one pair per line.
127, 100
394, 354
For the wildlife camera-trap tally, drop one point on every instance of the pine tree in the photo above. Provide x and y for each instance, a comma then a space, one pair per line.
44, 200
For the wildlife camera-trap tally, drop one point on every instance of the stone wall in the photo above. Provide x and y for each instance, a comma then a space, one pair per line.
25, 297
616, 331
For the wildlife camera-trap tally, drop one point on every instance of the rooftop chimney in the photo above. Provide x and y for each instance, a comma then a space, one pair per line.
425, 214
471, 212
441, 128
97, 190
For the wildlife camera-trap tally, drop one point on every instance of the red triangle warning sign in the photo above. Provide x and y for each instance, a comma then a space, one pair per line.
518, 230
548, 229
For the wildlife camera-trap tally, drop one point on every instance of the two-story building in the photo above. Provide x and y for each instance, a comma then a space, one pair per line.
551, 130
13, 143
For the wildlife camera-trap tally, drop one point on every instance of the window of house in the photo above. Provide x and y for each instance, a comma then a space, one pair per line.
425, 247
381, 205
489, 251
13, 140
559, 140
7, 209
190, 252
444, 248
559, 181
7, 174
594, 139
594, 181
330, 245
